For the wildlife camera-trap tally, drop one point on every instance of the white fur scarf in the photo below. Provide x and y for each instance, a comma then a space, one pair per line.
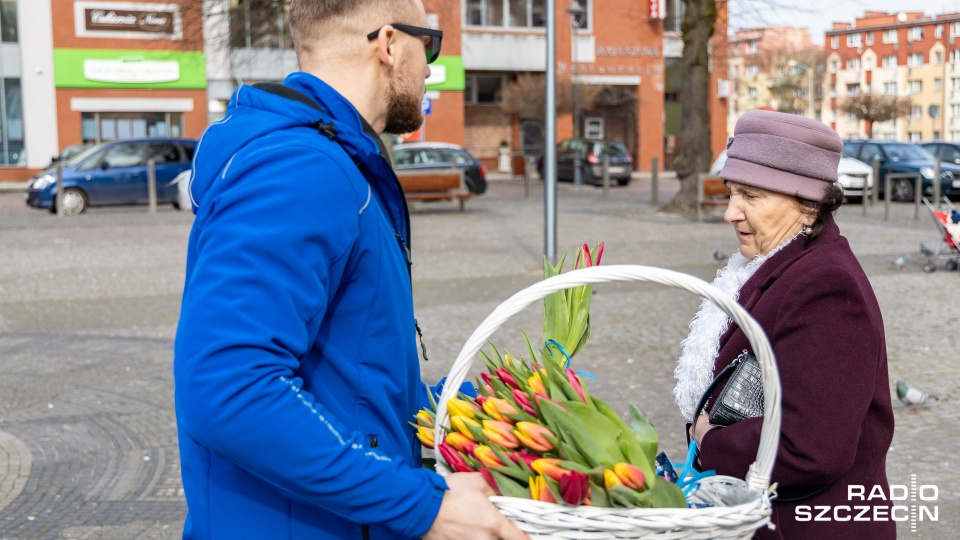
698, 352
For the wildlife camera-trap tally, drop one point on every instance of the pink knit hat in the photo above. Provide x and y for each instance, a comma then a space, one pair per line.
783, 152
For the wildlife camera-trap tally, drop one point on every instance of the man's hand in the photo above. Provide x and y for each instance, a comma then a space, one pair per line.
466, 512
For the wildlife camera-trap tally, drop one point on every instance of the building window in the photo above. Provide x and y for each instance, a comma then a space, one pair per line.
955, 57
853, 89
915, 33
937, 85
955, 136
853, 40
955, 29
890, 88
915, 59
869, 37
938, 31
853, 64
482, 89
955, 110
934, 111
675, 11
259, 24
8, 21
916, 112
913, 136
752, 46
752, 70
12, 123
938, 57
515, 13
752, 93
834, 42
955, 83
916, 87
890, 61
113, 126
890, 36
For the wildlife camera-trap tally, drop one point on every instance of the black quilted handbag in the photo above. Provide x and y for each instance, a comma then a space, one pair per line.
741, 398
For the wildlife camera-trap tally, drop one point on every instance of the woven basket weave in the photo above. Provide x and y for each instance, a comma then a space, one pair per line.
741, 506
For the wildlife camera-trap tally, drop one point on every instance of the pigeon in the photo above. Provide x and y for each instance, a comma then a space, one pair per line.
900, 262
720, 256
913, 397
924, 250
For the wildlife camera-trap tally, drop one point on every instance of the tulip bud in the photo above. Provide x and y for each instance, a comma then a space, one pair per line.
524, 402
453, 458
575, 488
488, 476
610, 479
549, 467
539, 490
630, 475
459, 407
499, 408
536, 384
425, 434
599, 252
425, 418
507, 378
461, 442
487, 456
470, 428
500, 433
575, 383
524, 457
534, 436
586, 256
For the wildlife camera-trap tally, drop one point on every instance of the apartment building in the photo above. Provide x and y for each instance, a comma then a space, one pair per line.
907, 54
772, 68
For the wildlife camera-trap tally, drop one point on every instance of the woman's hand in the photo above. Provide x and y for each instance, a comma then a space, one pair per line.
701, 428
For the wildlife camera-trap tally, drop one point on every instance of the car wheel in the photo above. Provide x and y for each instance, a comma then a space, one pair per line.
902, 190
623, 181
74, 202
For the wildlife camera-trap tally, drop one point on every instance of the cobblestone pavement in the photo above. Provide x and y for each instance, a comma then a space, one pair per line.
88, 310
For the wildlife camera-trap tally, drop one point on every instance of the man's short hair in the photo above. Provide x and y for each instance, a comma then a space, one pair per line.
309, 18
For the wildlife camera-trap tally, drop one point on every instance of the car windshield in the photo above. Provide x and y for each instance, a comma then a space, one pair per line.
906, 152
83, 155
612, 149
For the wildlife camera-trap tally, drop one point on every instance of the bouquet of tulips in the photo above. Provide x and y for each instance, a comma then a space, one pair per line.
535, 432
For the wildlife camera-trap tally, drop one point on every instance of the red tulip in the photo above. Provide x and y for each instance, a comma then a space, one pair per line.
488, 476
575, 487
575, 383
586, 256
517, 457
453, 458
599, 252
524, 402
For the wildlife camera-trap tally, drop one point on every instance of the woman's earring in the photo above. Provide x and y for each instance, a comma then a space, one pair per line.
807, 231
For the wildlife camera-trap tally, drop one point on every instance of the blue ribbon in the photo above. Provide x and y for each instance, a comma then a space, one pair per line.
690, 477
565, 353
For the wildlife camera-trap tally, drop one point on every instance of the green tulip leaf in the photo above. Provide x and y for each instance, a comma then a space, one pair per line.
509, 487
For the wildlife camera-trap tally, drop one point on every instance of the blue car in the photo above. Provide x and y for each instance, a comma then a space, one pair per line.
114, 173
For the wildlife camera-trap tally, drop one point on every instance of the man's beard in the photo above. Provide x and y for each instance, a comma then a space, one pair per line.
403, 113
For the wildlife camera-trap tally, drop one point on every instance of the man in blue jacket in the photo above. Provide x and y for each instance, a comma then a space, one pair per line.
296, 367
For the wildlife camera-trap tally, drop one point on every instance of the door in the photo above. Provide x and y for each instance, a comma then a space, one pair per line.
118, 176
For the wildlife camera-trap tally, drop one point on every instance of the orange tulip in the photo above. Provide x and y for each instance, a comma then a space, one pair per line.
458, 407
539, 490
499, 408
630, 475
500, 433
536, 384
534, 436
548, 467
425, 434
461, 442
425, 418
487, 456
610, 479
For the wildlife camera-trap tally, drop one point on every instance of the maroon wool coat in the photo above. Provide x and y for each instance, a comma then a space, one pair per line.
819, 311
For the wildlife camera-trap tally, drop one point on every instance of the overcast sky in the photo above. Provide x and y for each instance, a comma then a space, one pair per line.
819, 15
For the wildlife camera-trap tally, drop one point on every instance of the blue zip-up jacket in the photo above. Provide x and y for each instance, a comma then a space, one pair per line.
296, 368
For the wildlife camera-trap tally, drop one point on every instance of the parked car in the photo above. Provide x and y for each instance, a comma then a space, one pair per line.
438, 155
67, 153
900, 157
114, 173
590, 153
852, 174
945, 150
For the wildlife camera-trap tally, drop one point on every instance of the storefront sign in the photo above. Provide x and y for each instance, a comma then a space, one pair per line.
658, 9
131, 70
129, 20
447, 74
106, 68
628, 52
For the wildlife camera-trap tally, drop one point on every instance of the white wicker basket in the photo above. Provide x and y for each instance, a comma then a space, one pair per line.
741, 506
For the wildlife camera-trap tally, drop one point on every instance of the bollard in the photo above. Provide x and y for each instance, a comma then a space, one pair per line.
918, 194
936, 183
886, 198
152, 185
527, 173
654, 188
606, 175
875, 196
866, 195
59, 201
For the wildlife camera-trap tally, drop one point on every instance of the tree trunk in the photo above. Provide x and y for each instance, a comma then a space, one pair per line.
868, 127
695, 153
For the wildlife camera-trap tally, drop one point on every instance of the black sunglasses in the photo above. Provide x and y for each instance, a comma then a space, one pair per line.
433, 49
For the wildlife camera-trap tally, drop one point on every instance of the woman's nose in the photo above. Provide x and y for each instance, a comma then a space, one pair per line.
733, 213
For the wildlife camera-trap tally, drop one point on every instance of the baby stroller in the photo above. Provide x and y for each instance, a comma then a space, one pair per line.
948, 226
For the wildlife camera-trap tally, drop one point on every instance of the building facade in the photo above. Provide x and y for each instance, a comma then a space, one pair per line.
91, 71
907, 55
774, 68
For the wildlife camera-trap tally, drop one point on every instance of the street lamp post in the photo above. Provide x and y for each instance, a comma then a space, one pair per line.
810, 96
575, 11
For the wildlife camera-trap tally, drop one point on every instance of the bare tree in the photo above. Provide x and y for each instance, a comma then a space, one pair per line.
525, 96
788, 83
873, 108
697, 28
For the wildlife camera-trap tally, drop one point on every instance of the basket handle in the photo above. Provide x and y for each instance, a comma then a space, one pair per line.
758, 477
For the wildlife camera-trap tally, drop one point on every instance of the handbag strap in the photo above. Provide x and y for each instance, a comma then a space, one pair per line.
721, 377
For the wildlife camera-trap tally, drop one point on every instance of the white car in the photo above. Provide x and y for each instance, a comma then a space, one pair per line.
852, 174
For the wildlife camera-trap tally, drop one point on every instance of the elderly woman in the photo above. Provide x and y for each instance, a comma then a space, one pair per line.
798, 278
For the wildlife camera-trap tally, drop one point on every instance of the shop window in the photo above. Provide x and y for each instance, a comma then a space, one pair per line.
12, 124
8, 21
675, 12
114, 126
482, 89
510, 13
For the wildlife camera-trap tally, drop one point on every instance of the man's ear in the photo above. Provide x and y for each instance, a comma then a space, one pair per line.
387, 46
